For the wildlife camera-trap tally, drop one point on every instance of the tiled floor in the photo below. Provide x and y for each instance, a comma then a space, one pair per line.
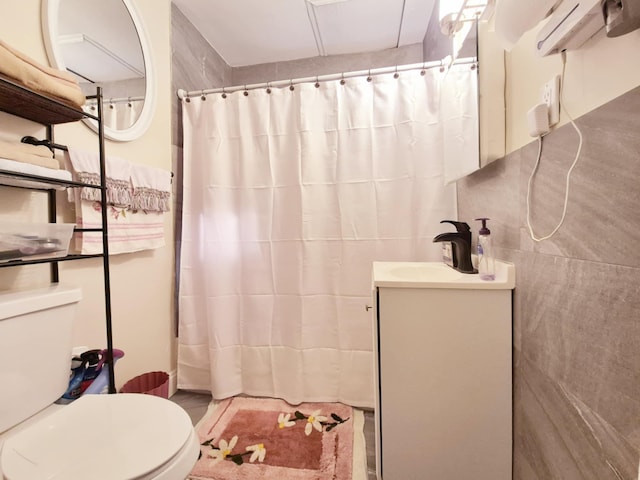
195, 404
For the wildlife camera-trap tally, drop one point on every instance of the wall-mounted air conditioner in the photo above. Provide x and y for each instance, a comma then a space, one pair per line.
571, 24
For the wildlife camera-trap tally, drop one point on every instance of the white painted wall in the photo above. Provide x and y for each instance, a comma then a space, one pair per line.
603, 69
141, 283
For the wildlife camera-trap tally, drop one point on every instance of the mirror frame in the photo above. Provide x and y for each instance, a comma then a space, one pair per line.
49, 18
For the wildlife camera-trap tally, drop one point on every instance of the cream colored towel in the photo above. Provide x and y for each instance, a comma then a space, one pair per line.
21, 167
26, 153
39, 77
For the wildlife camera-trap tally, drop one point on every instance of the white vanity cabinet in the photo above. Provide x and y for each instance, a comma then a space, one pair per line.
443, 369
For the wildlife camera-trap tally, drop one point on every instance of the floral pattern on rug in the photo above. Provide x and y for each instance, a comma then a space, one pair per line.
248, 438
224, 450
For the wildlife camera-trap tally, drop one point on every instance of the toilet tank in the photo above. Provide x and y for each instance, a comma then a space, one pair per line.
35, 349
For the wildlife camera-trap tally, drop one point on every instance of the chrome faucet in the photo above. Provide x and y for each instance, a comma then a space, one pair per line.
461, 245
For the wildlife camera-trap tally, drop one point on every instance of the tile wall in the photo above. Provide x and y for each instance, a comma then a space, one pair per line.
577, 299
194, 65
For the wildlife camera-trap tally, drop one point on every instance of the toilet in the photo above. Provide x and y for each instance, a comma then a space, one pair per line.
124, 436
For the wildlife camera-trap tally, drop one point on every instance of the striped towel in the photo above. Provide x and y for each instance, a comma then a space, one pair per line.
129, 231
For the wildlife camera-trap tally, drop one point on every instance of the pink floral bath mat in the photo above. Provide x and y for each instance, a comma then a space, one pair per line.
257, 438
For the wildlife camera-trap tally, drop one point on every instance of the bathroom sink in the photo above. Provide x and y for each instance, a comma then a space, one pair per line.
424, 272
439, 275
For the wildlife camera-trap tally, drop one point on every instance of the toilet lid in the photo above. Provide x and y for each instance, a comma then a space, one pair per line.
102, 437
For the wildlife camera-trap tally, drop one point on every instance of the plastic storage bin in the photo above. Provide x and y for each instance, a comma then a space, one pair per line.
27, 241
152, 383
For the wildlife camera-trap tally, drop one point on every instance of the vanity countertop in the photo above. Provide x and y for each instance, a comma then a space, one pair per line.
439, 275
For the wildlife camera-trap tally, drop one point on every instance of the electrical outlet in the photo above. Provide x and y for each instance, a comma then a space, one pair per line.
550, 95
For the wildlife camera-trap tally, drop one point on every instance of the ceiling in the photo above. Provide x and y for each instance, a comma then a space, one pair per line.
250, 32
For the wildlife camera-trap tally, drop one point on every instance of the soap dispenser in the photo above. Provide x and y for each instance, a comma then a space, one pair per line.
486, 261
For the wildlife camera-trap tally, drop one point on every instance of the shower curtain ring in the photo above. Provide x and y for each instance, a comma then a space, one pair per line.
224, 94
268, 87
291, 87
202, 95
342, 82
441, 65
423, 72
129, 102
396, 75
369, 76
246, 92
317, 84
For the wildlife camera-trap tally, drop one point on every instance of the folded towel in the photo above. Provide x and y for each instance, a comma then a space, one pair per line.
39, 150
33, 154
21, 167
151, 188
39, 77
86, 169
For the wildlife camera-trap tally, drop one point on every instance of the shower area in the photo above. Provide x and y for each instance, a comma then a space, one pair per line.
290, 191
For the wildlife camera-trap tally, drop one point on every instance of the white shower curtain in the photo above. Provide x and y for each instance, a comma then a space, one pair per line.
121, 115
288, 198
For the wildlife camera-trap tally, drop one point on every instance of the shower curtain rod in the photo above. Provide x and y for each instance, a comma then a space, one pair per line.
183, 94
118, 100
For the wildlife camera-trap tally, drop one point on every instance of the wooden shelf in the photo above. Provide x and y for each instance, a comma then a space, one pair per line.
23, 102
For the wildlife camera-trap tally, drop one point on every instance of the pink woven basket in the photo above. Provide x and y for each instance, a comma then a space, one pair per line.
152, 383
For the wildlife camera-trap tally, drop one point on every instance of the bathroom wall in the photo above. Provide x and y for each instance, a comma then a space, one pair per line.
601, 70
141, 283
577, 297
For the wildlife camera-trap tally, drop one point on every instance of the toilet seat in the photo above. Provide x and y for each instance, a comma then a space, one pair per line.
105, 437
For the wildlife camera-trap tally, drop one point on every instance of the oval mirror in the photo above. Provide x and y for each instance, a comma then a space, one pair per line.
102, 43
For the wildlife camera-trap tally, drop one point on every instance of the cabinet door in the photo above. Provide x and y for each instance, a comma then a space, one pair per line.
445, 384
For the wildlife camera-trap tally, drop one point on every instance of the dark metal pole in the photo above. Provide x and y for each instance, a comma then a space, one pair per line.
105, 245
51, 200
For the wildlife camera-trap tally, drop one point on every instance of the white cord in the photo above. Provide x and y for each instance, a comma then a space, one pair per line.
535, 168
